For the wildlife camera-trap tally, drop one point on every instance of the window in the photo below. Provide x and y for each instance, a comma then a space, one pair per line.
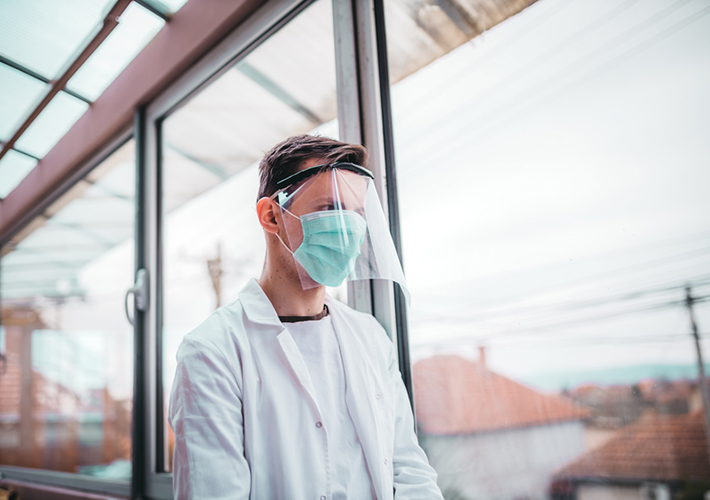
66, 381
211, 146
553, 199
39, 42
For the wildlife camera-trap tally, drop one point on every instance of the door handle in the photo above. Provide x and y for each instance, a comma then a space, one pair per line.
141, 293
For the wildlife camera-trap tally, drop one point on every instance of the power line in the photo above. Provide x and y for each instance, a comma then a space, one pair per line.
574, 305
615, 272
631, 339
594, 319
545, 328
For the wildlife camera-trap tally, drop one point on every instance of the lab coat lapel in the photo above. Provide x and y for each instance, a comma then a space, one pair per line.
298, 365
358, 398
259, 309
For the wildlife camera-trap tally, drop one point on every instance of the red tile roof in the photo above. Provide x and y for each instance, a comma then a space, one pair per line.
657, 447
456, 396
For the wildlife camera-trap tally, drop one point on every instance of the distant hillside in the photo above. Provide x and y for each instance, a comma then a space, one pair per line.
556, 381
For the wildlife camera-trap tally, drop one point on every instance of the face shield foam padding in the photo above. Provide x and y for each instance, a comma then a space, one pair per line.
336, 230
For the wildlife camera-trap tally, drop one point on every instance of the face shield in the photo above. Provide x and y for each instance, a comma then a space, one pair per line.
335, 228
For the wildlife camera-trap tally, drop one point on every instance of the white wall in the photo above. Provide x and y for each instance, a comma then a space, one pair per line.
600, 492
511, 464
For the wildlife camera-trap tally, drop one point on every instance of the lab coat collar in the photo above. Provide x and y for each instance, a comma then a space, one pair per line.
259, 309
257, 305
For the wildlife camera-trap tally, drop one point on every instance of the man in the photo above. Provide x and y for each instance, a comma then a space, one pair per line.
286, 393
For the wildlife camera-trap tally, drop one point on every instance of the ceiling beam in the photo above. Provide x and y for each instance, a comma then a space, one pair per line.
22, 69
197, 27
149, 5
110, 22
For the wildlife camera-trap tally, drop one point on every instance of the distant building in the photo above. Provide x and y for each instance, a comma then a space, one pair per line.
490, 437
45, 424
614, 406
659, 457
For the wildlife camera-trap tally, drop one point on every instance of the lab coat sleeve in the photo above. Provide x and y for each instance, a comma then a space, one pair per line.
414, 478
206, 416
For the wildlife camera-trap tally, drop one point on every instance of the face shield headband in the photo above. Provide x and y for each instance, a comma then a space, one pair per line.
335, 227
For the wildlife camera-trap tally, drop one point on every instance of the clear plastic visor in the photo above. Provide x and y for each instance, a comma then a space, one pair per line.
336, 230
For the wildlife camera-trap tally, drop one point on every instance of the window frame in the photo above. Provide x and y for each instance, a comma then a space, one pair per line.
364, 117
360, 117
264, 22
46, 477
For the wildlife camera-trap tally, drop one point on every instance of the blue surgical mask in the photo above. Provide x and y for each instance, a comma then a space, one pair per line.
331, 244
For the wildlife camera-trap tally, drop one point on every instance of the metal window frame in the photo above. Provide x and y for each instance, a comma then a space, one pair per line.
361, 72
400, 304
364, 117
86, 484
364, 109
235, 46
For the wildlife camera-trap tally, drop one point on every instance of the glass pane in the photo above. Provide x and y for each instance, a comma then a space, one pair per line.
51, 125
44, 35
14, 167
554, 207
212, 241
19, 94
67, 386
136, 28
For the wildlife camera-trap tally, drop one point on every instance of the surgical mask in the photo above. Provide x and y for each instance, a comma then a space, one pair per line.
344, 234
331, 244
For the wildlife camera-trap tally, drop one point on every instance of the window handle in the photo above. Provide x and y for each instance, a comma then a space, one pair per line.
140, 292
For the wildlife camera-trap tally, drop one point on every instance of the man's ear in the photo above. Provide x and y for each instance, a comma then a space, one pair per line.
267, 210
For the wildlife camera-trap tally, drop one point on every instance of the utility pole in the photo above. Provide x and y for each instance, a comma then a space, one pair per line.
214, 266
216, 269
703, 385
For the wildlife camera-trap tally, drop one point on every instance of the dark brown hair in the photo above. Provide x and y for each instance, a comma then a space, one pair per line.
286, 158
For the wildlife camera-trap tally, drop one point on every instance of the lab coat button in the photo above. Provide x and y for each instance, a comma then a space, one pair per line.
379, 396
385, 461
322, 497
319, 425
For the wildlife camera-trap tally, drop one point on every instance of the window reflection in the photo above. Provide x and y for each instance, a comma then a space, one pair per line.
66, 372
212, 242
560, 158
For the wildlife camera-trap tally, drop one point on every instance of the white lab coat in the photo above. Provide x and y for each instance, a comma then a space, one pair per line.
245, 416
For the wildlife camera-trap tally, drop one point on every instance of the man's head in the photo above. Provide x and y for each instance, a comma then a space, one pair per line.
291, 155
285, 159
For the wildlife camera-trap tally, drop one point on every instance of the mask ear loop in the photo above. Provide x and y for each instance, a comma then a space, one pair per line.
277, 234
284, 244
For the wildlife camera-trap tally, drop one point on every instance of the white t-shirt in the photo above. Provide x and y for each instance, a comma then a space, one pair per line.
320, 350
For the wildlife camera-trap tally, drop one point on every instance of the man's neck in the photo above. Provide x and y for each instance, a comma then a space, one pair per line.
289, 298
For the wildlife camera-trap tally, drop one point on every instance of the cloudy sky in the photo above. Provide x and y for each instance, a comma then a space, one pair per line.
554, 178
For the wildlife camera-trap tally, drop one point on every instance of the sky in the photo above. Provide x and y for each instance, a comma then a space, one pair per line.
550, 169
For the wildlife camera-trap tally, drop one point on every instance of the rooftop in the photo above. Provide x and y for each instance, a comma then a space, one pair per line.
656, 448
457, 396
